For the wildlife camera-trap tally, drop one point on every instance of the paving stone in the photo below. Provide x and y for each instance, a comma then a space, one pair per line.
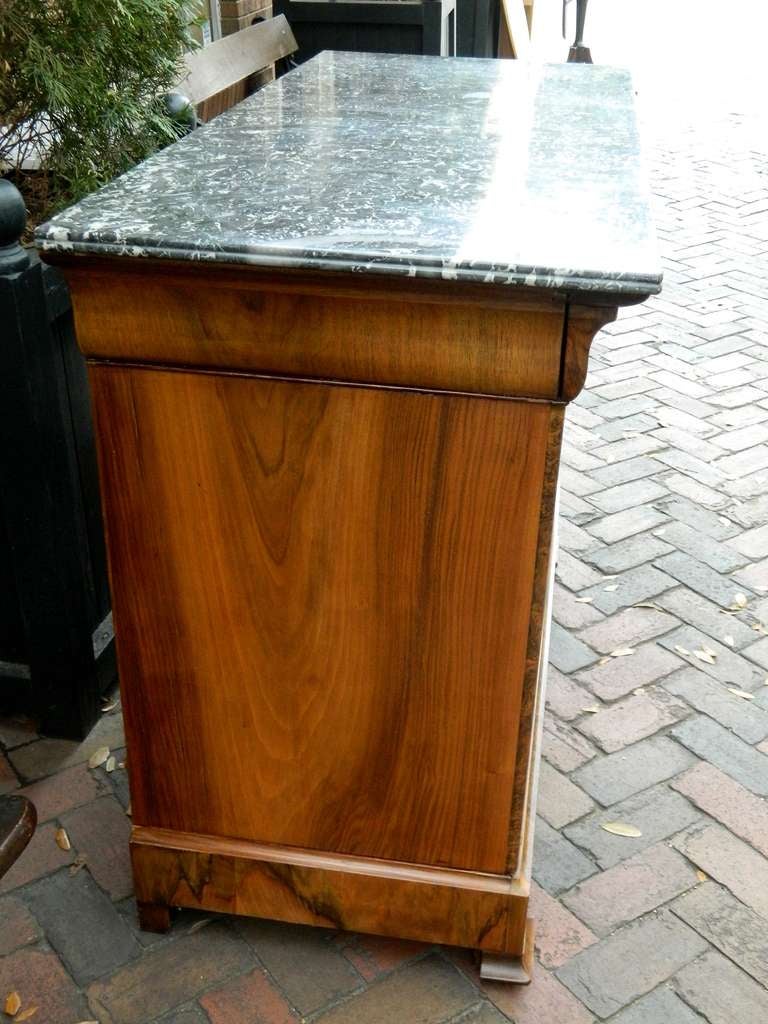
619, 676
722, 798
700, 494
36, 760
712, 743
434, 986
617, 473
559, 801
627, 554
680, 509
8, 780
728, 667
716, 555
544, 1001
168, 976
747, 720
630, 889
615, 777
753, 543
699, 577
373, 955
750, 513
737, 931
59, 793
100, 830
641, 584
625, 524
565, 697
566, 652
630, 963
758, 652
682, 440
743, 463
309, 970
576, 482
572, 614
572, 538
40, 981
484, 1014
703, 472
19, 927
41, 857
627, 496
248, 999
563, 747
658, 813
15, 730
722, 993
559, 935
754, 576
730, 861
81, 924
661, 1006
573, 573
186, 1015
632, 719
707, 617
627, 629
557, 864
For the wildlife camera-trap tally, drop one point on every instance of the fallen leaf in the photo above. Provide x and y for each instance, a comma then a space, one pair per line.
729, 640
29, 1012
198, 925
739, 601
584, 600
592, 709
622, 652
611, 588
12, 1004
77, 864
110, 764
740, 693
109, 706
62, 839
760, 628
619, 828
128, 810
702, 877
604, 661
98, 757
648, 604
611, 576
705, 656
709, 650
682, 650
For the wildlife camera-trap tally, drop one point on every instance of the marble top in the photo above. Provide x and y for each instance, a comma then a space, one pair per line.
455, 168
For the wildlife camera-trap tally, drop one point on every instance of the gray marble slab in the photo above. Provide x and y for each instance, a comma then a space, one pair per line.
482, 170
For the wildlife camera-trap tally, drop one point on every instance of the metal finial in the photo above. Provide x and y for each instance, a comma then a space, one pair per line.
13, 220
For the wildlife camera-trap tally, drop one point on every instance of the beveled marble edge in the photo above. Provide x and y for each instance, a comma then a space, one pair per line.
563, 279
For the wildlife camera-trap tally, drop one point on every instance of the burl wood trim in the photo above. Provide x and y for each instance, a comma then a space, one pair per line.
304, 887
204, 322
532, 704
582, 324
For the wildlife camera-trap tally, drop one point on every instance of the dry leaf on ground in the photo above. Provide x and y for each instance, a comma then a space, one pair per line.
739, 602
110, 764
613, 586
62, 839
592, 710
741, 693
109, 706
702, 876
705, 656
620, 828
77, 864
12, 1004
622, 652
26, 1014
98, 757
682, 650
583, 600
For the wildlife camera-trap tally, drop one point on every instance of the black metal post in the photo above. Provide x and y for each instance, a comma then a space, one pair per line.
45, 524
579, 52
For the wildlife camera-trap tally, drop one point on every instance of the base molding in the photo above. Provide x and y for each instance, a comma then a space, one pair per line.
515, 970
428, 904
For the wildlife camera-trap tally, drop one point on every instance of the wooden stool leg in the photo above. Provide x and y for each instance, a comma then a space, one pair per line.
517, 970
154, 917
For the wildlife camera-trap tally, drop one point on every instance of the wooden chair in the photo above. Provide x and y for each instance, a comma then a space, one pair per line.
18, 819
226, 71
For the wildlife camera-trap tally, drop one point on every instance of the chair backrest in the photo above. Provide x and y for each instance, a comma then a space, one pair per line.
222, 73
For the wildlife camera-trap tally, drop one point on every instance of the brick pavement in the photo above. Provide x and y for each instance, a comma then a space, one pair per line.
664, 508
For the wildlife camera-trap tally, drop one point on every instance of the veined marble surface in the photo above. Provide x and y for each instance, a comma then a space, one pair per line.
480, 170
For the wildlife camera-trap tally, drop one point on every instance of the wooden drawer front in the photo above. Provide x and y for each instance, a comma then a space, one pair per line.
418, 344
322, 603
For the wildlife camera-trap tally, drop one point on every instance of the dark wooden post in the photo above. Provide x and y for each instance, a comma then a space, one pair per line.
45, 525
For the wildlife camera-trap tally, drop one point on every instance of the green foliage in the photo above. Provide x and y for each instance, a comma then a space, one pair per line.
81, 82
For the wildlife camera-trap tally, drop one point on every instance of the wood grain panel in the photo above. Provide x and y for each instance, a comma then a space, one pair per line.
322, 599
188, 322
480, 911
